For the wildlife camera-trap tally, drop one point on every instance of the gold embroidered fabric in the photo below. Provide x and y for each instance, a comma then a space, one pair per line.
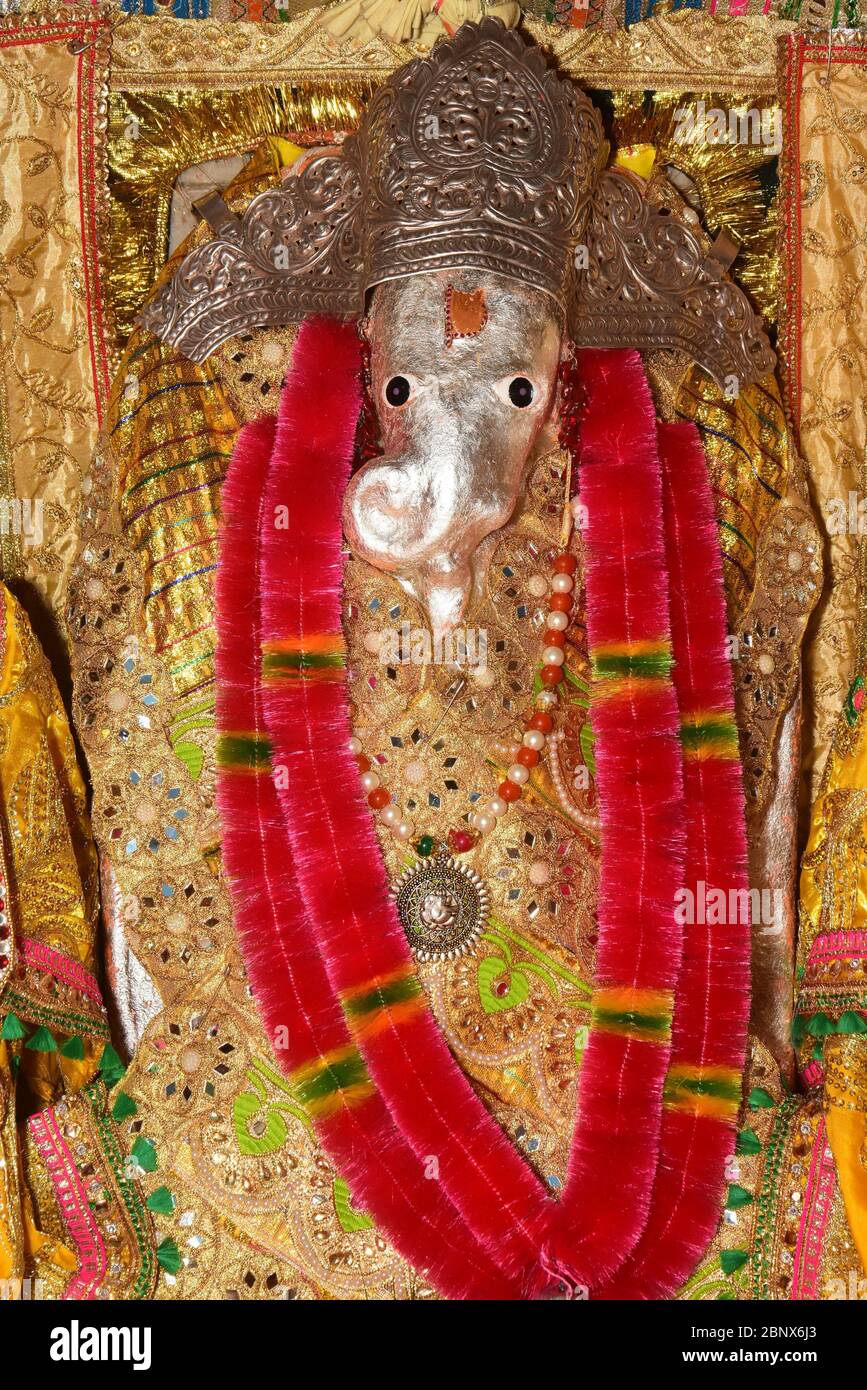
679, 51
52, 357
825, 312
256, 1211
232, 1143
47, 937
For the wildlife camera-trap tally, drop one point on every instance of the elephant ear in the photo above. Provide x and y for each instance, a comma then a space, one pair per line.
647, 282
296, 251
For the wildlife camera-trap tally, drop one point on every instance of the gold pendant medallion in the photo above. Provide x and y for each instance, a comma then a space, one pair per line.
443, 907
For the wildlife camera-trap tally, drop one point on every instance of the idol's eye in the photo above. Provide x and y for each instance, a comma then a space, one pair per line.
397, 391
521, 392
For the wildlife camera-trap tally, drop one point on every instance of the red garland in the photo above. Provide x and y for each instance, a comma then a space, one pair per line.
383, 1173
713, 993
341, 876
346, 892
311, 894
639, 784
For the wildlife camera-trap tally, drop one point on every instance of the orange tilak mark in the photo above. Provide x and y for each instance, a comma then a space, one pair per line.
466, 313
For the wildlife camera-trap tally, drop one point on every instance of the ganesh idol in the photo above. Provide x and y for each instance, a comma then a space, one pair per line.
439, 967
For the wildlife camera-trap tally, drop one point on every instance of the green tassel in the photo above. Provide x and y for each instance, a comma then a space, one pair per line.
111, 1067
760, 1099
748, 1142
850, 1022
738, 1197
12, 1029
820, 1025
799, 1030
74, 1050
42, 1041
169, 1256
733, 1260
161, 1200
123, 1107
145, 1154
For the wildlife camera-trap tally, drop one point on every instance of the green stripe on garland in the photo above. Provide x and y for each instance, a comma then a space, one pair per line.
644, 665
338, 1079
247, 752
702, 1086
716, 734
713, 1092
298, 663
649, 1026
383, 996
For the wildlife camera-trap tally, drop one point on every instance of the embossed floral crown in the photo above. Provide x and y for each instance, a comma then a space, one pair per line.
478, 157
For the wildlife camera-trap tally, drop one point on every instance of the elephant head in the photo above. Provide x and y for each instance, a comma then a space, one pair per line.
463, 381
473, 205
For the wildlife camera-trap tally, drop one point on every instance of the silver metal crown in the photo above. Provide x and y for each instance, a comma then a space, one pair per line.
477, 157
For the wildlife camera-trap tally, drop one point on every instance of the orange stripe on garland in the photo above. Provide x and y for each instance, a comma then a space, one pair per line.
714, 1092
643, 1014
322, 642
386, 1001
316, 657
332, 1082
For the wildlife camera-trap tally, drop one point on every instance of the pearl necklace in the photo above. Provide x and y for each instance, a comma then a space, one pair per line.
443, 905
519, 757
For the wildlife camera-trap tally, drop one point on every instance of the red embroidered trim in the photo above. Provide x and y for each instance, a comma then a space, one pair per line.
816, 1213
49, 961
838, 945
72, 1200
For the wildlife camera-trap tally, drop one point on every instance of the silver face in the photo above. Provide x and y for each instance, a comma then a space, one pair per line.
455, 453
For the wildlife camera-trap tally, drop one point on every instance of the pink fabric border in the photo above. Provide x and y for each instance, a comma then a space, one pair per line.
50, 961
75, 1210
835, 945
818, 1199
